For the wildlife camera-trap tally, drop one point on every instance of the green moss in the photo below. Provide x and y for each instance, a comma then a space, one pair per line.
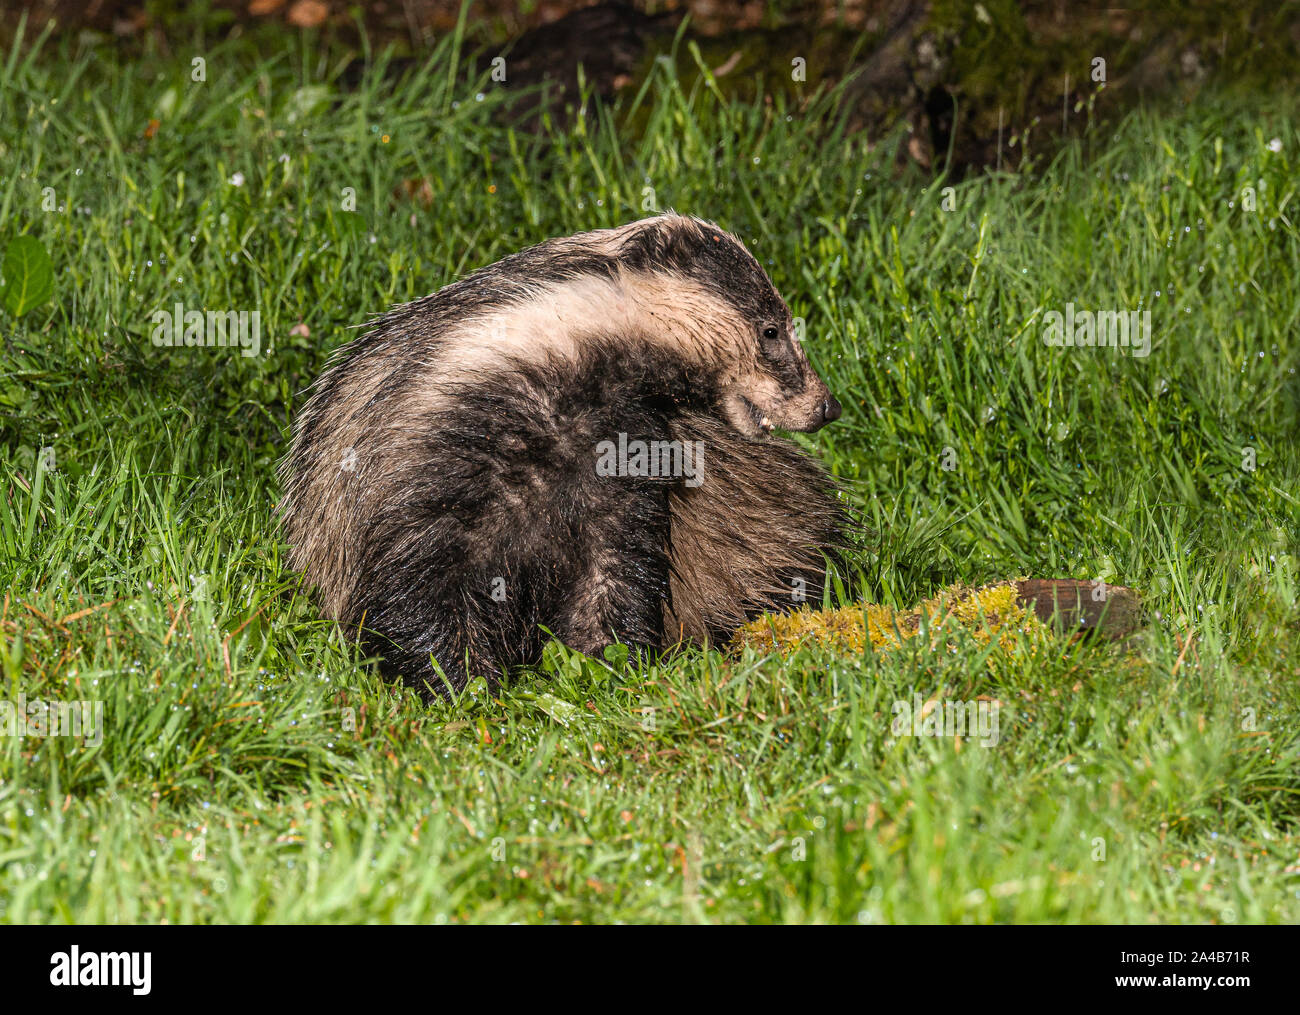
991, 613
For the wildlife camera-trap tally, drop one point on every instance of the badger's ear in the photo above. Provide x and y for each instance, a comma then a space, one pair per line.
670, 243
681, 241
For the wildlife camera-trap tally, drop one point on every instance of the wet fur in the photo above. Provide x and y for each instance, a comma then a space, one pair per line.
753, 538
454, 444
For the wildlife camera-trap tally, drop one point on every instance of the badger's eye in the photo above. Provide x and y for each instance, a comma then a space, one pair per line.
770, 333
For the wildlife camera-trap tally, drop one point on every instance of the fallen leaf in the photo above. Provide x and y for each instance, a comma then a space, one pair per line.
417, 189
307, 14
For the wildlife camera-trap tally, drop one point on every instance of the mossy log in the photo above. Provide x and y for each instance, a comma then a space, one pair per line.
1088, 607
1046, 608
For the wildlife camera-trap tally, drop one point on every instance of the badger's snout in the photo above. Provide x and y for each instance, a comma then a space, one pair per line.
797, 415
827, 412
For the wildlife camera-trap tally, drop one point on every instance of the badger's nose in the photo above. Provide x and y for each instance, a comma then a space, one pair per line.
827, 412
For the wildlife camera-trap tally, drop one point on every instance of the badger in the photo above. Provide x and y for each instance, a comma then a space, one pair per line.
577, 442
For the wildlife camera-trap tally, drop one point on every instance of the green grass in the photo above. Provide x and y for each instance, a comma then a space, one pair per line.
252, 768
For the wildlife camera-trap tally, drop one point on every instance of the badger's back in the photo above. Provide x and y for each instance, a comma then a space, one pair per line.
359, 441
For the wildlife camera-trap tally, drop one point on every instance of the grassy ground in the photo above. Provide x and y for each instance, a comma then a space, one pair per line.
252, 769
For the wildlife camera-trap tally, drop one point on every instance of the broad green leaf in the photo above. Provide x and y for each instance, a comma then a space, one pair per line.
561, 711
29, 275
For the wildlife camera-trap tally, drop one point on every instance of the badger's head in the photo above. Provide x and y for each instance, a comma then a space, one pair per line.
711, 300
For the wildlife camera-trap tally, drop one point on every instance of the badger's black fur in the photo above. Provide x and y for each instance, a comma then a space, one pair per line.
442, 489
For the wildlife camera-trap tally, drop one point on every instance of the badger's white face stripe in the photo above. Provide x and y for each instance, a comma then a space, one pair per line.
563, 318
549, 325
